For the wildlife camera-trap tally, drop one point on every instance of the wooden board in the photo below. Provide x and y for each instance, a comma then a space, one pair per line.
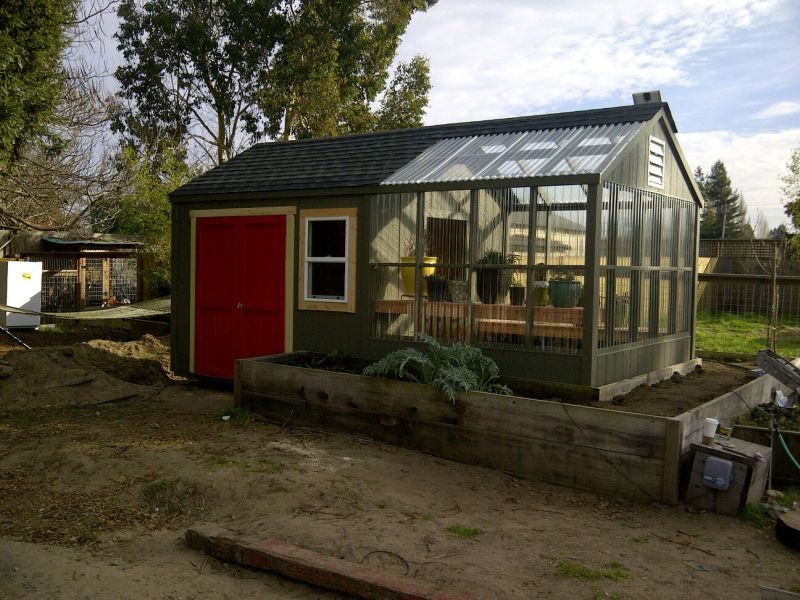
617, 431
768, 593
737, 402
586, 447
305, 565
577, 466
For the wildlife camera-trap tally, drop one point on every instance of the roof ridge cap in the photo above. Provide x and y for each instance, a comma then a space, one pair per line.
497, 121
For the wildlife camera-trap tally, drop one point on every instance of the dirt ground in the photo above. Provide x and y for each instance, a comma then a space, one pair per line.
105, 461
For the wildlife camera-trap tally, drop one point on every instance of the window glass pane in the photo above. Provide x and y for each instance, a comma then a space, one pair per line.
327, 238
326, 280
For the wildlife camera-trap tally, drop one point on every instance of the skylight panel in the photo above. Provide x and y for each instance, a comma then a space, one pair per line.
540, 145
493, 149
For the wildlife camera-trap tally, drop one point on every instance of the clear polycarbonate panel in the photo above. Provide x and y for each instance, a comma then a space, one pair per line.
561, 226
547, 152
393, 227
393, 248
647, 259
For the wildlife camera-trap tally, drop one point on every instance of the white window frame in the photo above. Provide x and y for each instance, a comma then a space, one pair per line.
656, 162
306, 301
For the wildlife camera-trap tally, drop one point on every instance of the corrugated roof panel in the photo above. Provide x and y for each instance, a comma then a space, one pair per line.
369, 159
566, 151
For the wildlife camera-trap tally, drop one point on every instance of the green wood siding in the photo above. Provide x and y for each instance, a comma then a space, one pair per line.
631, 166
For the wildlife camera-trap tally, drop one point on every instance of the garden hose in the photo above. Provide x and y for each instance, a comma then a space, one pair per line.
784, 445
786, 448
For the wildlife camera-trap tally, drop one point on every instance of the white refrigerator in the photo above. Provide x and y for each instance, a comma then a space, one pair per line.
20, 287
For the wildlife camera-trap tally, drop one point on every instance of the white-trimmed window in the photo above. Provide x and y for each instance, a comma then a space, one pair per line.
655, 163
327, 259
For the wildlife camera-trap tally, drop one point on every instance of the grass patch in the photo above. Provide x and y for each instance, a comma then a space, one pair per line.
239, 416
790, 496
613, 571
427, 516
273, 466
756, 515
463, 531
22, 419
745, 333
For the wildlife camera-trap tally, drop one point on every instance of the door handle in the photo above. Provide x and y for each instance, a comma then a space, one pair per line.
239, 305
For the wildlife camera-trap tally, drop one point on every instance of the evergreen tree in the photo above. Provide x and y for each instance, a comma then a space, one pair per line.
144, 208
32, 38
791, 195
724, 215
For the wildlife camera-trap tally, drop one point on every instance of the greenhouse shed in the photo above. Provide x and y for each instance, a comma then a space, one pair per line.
563, 244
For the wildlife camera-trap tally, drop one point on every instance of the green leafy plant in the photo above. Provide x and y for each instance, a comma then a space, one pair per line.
563, 277
756, 515
451, 368
540, 272
496, 257
436, 278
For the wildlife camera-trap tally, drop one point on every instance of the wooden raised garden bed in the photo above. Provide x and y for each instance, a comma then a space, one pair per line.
629, 454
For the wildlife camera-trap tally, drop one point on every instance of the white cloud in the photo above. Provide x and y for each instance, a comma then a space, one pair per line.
779, 109
755, 164
491, 59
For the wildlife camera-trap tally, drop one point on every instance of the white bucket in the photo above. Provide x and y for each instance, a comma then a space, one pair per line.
709, 429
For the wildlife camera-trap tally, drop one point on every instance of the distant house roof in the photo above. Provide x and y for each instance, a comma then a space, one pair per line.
78, 245
373, 158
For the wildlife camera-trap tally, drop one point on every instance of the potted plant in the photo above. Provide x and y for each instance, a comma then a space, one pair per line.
437, 287
492, 280
622, 304
408, 273
540, 285
565, 291
516, 293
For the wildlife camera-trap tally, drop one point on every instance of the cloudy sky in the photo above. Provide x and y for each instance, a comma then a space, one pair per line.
730, 70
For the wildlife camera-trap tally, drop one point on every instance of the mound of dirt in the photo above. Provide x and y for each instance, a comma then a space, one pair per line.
144, 361
87, 373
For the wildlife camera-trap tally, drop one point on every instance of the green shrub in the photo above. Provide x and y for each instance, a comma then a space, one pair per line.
451, 368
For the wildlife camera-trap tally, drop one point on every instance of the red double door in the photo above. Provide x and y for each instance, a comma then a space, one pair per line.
240, 294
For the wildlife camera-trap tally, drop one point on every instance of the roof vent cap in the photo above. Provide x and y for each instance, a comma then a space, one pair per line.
653, 97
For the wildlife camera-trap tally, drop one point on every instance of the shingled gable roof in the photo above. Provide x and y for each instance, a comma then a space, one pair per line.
367, 159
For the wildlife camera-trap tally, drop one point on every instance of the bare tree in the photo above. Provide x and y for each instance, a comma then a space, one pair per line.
65, 175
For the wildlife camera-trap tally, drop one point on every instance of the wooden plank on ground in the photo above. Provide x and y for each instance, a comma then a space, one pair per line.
768, 593
308, 566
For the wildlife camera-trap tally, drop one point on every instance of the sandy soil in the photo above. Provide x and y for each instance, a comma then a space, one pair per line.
95, 497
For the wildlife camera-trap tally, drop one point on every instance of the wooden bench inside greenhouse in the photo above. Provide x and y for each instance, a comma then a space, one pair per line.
448, 320
502, 319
